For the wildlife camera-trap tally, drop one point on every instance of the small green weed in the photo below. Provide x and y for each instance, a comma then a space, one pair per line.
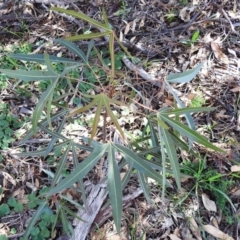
193, 39
8, 123
13, 205
171, 15
209, 179
197, 101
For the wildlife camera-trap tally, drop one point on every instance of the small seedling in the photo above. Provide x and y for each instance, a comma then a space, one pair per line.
193, 39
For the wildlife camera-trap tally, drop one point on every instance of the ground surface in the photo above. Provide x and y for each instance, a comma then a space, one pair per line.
167, 37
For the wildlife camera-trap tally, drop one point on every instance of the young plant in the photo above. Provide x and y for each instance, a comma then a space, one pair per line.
193, 39
165, 131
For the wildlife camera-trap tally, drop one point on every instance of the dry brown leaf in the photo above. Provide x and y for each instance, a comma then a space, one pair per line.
185, 13
209, 204
215, 222
9, 178
174, 237
218, 53
216, 232
195, 229
236, 194
216, 50
236, 89
235, 168
127, 28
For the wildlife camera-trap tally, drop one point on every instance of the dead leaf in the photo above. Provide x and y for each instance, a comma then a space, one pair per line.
186, 234
236, 194
185, 13
216, 50
9, 178
216, 232
215, 222
236, 89
209, 204
218, 53
195, 229
127, 28
174, 237
232, 52
235, 168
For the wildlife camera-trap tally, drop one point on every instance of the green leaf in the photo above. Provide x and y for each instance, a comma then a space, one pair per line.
42, 151
31, 75
144, 187
73, 48
81, 16
186, 131
80, 182
82, 169
90, 46
187, 115
115, 188
188, 110
4, 209
172, 155
41, 104
40, 58
61, 165
12, 201
137, 162
3, 237
49, 65
65, 223
44, 122
18, 207
195, 36
37, 215
184, 77
54, 137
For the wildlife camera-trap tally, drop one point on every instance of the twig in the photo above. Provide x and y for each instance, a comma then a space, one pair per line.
141, 72
93, 205
226, 16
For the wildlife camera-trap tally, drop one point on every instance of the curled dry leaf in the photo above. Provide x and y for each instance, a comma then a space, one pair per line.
185, 13
209, 204
216, 232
